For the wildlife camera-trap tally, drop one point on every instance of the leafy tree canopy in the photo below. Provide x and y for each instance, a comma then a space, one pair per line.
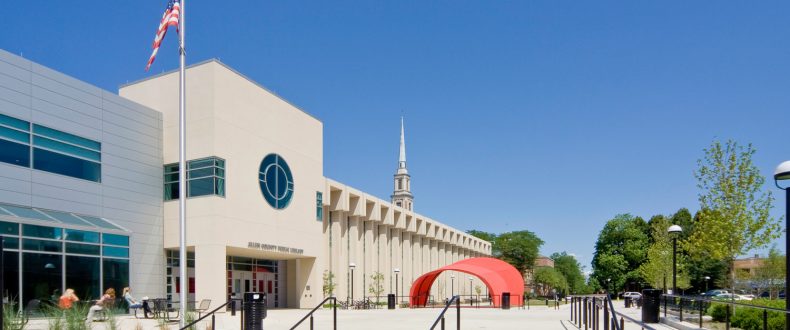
569, 267
619, 251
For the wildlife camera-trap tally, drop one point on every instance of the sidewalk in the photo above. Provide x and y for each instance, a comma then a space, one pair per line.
537, 317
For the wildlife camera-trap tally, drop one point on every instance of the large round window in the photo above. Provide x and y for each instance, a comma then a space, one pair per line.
277, 183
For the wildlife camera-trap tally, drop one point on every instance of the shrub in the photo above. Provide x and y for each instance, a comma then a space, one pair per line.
718, 312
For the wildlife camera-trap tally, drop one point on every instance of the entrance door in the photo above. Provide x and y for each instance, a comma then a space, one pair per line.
242, 282
267, 284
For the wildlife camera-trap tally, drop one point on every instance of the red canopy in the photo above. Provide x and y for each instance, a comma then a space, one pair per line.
497, 275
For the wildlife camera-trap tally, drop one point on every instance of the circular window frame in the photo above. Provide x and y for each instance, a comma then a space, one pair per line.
270, 190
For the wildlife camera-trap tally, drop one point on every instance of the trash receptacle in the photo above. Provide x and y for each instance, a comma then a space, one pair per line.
650, 305
254, 310
391, 301
505, 300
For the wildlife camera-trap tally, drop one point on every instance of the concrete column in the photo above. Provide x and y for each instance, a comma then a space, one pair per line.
383, 253
336, 259
369, 252
354, 257
210, 270
406, 269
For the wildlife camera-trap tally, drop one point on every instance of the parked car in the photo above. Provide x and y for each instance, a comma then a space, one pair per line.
632, 295
714, 293
746, 297
727, 296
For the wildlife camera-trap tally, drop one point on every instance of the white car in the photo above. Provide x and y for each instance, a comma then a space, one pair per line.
745, 297
632, 295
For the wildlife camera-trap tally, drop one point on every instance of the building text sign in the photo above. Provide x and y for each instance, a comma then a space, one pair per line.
276, 248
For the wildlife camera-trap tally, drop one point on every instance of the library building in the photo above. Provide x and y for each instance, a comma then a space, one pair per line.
89, 189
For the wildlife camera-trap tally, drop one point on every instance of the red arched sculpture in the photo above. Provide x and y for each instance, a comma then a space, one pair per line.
497, 275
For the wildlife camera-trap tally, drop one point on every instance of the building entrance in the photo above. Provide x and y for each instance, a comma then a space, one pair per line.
257, 275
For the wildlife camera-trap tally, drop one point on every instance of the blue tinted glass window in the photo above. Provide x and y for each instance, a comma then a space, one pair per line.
41, 245
65, 217
42, 231
116, 239
200, 173
15, 123
9, 228
66, 148
25, 212
118, 252
14, 153
198, 163
201, 187
66, 165
82, 236
82, 248
66, 137
319, 206
99, 222
276, 181
10, 243
13, 134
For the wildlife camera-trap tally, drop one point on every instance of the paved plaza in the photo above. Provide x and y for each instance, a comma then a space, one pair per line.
382, 319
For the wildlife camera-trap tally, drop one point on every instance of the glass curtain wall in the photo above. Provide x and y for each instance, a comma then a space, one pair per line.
53, 259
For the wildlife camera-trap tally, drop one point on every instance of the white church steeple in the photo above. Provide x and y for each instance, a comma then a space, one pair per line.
402, 196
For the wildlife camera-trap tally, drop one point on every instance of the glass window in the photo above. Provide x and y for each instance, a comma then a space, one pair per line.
201, 187
11, 275
10, 243
13, 122
65, 217
115, 239
82, 248
99, 222
171, 191
26, 212
14, 153
66, 165
9, 228
66, 148
201, 173
198, 163
42, 274
42, 245
319, 206
42, 231
82, 275
82, 236
12, 134
116, 274
66, 137
117, 252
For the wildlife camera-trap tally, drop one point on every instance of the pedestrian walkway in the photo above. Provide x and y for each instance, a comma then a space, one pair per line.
537, 317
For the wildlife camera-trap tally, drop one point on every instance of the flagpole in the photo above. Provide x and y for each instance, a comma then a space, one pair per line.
182, 173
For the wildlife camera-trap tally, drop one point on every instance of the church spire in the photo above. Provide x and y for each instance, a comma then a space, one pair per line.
401, 196
402, 156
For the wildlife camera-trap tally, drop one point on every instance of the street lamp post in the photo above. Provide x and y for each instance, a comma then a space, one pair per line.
783, 173
397, 271
707, 278
452, 285
470, 290
674, 230
352, 266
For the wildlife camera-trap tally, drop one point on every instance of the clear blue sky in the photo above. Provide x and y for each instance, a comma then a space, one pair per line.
551, 116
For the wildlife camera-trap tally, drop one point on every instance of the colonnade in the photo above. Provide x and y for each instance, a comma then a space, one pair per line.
365, 236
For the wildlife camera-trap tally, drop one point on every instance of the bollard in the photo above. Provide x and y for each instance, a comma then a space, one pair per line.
727, 318
442, 322
605, 314
311, 322
681, 309
622, 323
765, 319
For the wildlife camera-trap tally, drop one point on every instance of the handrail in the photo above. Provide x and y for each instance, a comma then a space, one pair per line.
457, 301
210, 313
310, 314
726, 302
614, 313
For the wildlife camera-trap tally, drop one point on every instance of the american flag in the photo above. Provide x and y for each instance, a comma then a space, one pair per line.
170, 18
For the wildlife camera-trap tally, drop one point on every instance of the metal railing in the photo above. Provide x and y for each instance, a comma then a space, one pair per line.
310, 314
586, 312
440, 319
232, 303
693, 308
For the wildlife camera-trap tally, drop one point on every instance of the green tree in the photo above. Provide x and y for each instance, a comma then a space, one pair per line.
376, 286
734, 209
518, 248
548, 278
329, 283
619, 251
771, 275
657, 270
570, 269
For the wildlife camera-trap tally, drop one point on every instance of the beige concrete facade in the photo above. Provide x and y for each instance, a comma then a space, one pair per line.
237, 120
